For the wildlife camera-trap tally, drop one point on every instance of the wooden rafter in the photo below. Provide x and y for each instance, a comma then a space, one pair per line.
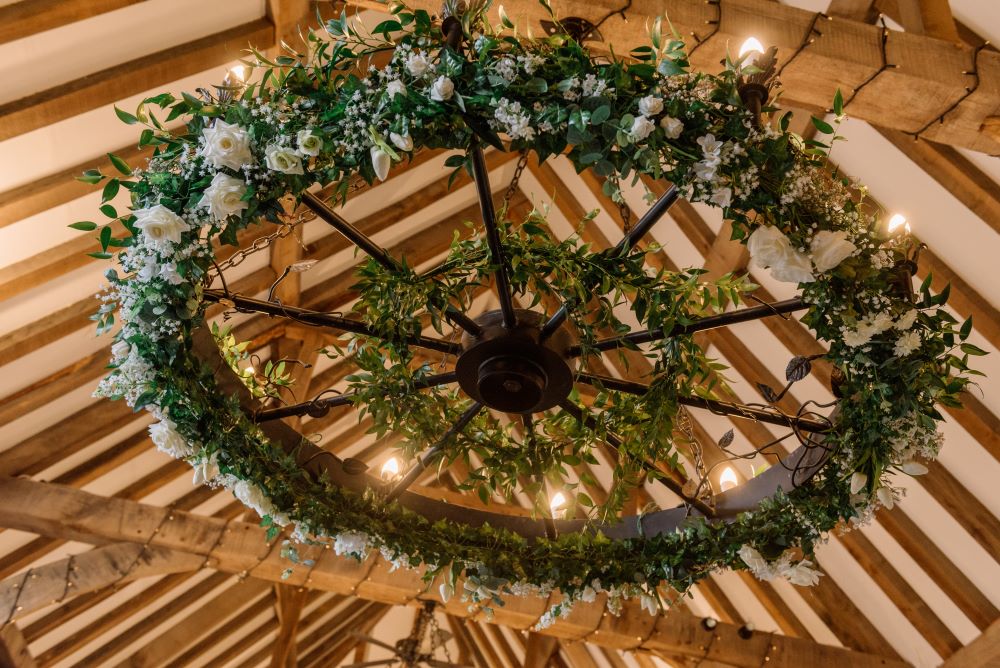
73, 514
14, 649
29, 17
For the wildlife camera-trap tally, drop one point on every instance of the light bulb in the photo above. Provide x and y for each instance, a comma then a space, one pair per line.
728, 479
238, 72
752, 45
251, 371
557, 505
898, 224
390, 469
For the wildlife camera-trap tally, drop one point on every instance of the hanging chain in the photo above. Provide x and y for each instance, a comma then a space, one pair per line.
522, 162
437, 639
623, 210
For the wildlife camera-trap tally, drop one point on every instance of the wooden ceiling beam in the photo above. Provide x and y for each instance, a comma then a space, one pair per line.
127, 79
327, 603
983, 651
29, 17
928, 17
73, 514
863, 11
927, 81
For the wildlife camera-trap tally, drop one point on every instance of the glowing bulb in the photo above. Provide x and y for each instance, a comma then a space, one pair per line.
390, 469
752, 45
238, 72
728, 479
558, 505
251, 371
898, 223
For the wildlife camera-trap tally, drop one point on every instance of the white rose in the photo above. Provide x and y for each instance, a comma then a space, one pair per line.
252, 496
282, 159
165, 437
381, 162
672, 127
417, 63
394, 88
858, 482
402, 142
757, 564
227, 145
906, 320
794, 267
642, 127
224, 196
801, 573
442, 89
722, 197
309, 143
206, 469
767, 245
160, 225
650, 105
828, 249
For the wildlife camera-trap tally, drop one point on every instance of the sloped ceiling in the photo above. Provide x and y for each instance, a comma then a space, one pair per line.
919, 583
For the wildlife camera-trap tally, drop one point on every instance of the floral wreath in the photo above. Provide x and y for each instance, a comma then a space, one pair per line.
325, 118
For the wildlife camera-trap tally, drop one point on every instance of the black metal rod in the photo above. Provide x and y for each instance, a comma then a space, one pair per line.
587, 420
632, 237
719, 407
320, 319
322, 405
500, 274
377, 253
653, 216
699, 325
414, 471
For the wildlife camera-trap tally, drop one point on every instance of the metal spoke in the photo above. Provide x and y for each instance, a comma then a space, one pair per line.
319, 407
587, 420
500, 274
698, 325
320, 319
377, 253
773, 416
414, 472
630, 239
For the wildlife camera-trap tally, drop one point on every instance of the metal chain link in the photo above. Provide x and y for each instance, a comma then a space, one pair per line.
623, 209
522, 162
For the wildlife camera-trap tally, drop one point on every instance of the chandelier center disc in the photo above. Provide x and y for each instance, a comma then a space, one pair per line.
513, 370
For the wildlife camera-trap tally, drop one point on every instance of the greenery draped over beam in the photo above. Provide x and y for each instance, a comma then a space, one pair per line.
329, 115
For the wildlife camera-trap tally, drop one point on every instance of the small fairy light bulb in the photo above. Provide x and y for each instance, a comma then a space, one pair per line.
898, 224
728, 479
751, 46
238, 73
250, 371
390, 469
557, 504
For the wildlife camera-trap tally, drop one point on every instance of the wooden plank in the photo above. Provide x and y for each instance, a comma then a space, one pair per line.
76, 515
127, 79
928, 17
288, 604
925, 83
853, 10
29, 17
538, 650
14, 649
983, 651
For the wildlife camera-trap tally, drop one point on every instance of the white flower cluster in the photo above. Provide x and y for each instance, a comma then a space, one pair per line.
872, 325
511, 119
799, 573
354, 544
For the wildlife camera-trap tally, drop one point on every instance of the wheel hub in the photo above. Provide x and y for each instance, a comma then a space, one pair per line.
511, 370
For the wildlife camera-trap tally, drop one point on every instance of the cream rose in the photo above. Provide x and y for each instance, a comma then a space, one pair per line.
227, 145
120, 350
642, 127
283, 159
417, 63
402, 142
160, 225
858, 482
309, 143
650, 105
442, 89
672, 127
767, 245
224, 196
164, 435
793, 268
381, 162
394, 88
828, 249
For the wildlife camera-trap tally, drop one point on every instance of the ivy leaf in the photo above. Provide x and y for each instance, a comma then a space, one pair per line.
767, 392
797, 369
727, 439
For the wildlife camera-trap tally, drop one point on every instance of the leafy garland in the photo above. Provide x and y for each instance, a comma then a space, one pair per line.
315, 119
